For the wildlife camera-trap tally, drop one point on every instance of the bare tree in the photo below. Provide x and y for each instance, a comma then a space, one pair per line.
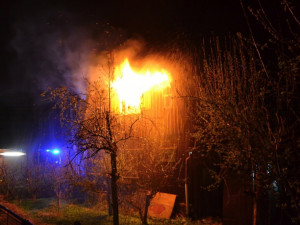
8, 181
91, 176
246, 112
280, 55
93, 126
34, 176
144, 172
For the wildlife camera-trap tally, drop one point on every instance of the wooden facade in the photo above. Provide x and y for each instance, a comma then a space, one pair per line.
162, 119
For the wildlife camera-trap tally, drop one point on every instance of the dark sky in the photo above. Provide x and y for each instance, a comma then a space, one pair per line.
36, 36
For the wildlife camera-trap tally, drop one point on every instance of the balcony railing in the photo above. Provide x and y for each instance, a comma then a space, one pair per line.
8, 217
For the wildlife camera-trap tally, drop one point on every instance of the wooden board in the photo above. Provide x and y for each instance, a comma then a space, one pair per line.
161, 205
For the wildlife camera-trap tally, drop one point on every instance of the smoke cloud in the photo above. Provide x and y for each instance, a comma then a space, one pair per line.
53, 50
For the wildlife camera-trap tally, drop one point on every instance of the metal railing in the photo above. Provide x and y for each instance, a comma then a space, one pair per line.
8, 217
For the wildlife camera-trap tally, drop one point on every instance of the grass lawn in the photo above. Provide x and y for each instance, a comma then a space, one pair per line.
45, 212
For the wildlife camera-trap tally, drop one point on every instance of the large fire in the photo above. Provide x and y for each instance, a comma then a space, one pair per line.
130, 85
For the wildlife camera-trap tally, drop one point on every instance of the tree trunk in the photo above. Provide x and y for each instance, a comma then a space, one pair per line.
34, 197
108, 197
255, 198
58, 200
254, 210
114, 191
148, 198
114, 172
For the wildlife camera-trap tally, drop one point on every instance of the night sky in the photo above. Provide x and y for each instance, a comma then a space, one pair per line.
37, 36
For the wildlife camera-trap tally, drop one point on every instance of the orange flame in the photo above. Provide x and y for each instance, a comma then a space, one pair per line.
130, 85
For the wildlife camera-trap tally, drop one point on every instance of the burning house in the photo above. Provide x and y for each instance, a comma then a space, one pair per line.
149, 96
154, 102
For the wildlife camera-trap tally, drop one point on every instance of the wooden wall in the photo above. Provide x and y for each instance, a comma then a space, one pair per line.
162, 119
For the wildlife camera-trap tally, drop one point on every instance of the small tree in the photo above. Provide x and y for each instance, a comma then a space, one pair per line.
7, 181
58, 177
227, 117
92, 177
246, 97
34, 176
12, 184
93, 126
146, 171
279, 60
